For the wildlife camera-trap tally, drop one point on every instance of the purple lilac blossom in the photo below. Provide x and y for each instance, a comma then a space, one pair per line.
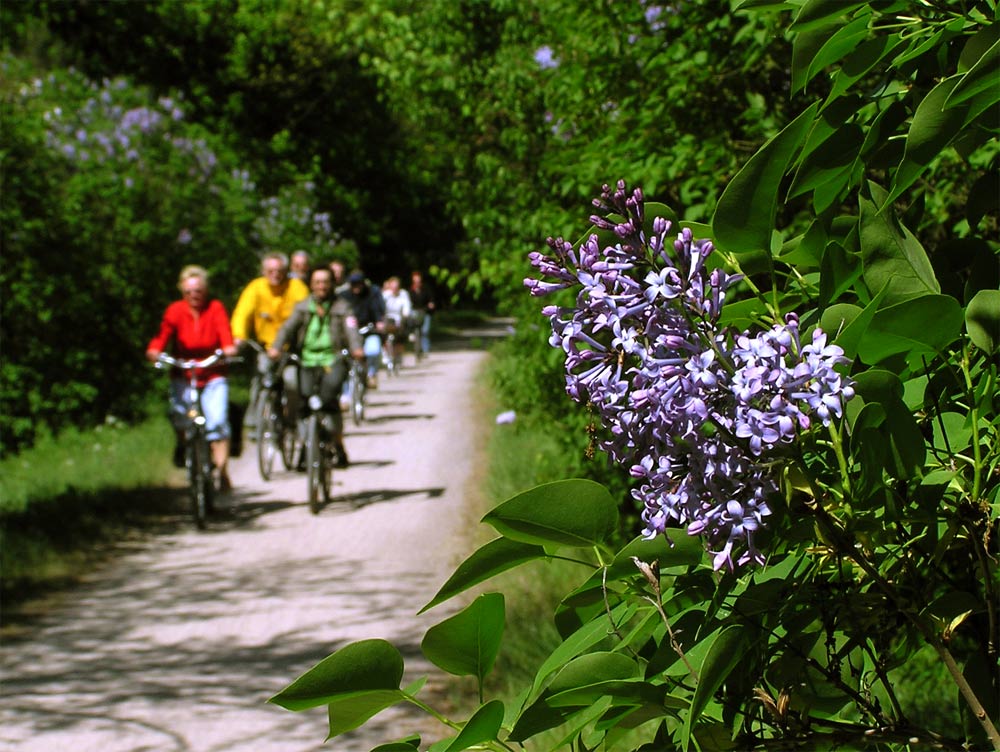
698, 413
545, 58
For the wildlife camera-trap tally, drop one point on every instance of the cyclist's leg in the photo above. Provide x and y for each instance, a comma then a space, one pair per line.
307, 384
373, 351
425, 333
215, 405
330, 387
293, 394
178, 417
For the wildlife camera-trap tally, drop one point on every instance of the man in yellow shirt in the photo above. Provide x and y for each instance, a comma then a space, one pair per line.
263, 306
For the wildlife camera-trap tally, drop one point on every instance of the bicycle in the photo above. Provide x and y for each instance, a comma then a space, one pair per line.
416, 334
391, 355
357, 380
197, 452
320, 453
275, 434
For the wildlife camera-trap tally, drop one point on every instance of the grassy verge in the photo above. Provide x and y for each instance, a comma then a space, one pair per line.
60, 499
516, 457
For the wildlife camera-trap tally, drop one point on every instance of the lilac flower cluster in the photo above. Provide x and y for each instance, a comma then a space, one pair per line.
291, 219
698, 413
105, 128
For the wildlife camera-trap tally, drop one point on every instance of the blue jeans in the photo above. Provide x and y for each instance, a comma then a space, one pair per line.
373, 352
214, 406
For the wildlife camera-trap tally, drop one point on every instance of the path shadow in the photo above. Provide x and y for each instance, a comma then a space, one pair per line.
391, 418
361, 499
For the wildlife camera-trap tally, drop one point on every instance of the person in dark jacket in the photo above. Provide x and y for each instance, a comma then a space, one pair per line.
369, 308
320, 328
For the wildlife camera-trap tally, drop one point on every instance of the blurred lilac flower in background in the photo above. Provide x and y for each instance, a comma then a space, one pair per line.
697, 412
545, 58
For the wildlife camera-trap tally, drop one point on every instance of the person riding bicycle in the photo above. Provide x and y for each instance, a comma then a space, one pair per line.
193, 328
319, 329
369, 308
422, 298
263, 306
398, 311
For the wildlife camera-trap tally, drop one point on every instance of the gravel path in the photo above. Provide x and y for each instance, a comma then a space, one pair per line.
177, 644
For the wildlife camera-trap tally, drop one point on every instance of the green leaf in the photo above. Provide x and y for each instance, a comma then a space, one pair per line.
892, 257
856, 65
593, 667
833, 159
805, 47
685, 551
844, 40
817, 12
980, 78
408, 744
744, 217
957, 433
926, 324
482, 727
933, 127
467, 643
491, 559
582, 639
725, 652
367, 665
906, 451
348, 712
977, 46
982, 320
847, 323
574, 512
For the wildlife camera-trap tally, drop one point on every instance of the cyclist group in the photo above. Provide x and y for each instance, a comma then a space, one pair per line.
305, 324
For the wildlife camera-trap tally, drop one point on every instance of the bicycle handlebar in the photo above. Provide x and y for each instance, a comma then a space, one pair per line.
189, 365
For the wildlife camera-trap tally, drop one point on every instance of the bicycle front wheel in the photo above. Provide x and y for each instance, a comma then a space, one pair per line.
199, 464
357, 396
269, 438
313, 463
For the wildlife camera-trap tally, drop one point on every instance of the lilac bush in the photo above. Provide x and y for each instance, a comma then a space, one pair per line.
701, 414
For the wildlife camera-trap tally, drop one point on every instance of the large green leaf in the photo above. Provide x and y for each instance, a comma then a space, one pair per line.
482, 727
906, 450
569, 512
368, 665
817, 12
682, 550
982, 320
834, 158
892, 257
722, 657
467, 643
591, 668
348, 712
857, 64
850, 336
926, 324
844, 40
408, 744
491, 559
744, 217
935, 124
980, 78
582, 639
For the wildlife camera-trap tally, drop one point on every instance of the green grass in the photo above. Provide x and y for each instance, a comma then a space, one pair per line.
68, 494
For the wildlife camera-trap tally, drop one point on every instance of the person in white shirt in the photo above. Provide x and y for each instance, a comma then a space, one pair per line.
398, 313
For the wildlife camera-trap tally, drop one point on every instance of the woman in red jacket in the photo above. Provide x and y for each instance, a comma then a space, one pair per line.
194, 328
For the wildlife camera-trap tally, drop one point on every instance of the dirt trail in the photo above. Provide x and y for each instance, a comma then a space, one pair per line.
176, 645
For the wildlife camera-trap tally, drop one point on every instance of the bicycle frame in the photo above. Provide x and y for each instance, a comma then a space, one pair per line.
198, 455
